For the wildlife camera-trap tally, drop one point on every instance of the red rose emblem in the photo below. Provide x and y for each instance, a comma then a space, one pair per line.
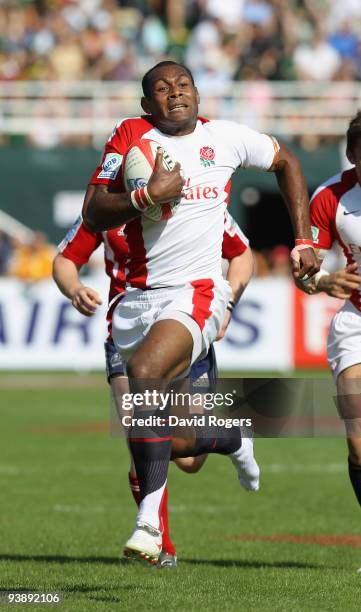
207, 153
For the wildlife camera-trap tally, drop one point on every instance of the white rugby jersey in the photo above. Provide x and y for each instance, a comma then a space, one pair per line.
186, 247
79, 244
335, 212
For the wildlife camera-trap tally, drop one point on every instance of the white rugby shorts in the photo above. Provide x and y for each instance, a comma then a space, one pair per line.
344, 339
199, 305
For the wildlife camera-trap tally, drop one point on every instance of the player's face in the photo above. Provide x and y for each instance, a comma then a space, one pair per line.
355, 158
174, 100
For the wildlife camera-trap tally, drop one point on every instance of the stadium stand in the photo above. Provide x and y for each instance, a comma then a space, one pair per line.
69, 69
239, 39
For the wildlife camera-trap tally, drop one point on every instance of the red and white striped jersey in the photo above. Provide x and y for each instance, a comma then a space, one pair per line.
336, 216
79, 244
187, 246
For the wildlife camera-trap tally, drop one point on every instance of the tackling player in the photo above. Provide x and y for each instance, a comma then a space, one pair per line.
74, 252
176, 296
336, 216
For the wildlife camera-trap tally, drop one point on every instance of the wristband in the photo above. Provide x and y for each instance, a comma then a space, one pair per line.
149, 199
304, 241
231, 304
141, 199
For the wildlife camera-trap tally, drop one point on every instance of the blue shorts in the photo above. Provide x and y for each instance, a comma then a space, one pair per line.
203, 373
114, 364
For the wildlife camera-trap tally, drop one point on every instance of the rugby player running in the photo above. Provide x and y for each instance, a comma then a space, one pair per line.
75, 251
176, 296
336, 217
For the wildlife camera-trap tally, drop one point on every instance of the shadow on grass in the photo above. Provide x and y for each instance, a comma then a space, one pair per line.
70, 589
65, 559
251, 564
241, 563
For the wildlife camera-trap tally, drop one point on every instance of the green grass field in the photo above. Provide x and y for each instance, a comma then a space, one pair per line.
66, 512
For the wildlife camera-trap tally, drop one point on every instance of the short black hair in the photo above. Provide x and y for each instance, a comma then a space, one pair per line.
147, 79
354, 132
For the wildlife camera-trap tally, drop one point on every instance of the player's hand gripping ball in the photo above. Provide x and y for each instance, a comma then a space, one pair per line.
138, 166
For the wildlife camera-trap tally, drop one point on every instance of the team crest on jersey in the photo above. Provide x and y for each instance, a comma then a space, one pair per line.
315, 232
206, 155
110, 166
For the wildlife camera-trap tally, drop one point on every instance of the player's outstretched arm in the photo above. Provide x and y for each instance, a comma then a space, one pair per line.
66, 276
292, 184
104, 209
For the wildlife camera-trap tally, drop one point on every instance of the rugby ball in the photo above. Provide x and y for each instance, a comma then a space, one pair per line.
138, 165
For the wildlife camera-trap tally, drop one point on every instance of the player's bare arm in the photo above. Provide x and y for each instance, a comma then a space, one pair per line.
292, 184
105, 209
239, 274
342, 283
88, 196
66, 275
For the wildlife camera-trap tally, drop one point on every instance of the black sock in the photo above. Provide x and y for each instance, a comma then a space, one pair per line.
151, 449
354, 471
215, 439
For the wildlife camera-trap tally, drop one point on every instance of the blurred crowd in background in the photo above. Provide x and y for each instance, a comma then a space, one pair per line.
220, 40
29, 260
